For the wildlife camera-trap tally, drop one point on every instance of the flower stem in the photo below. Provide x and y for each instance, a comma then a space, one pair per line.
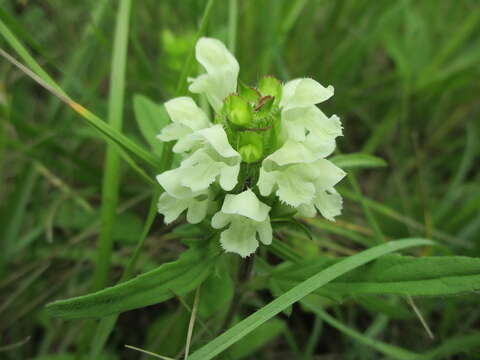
243, 275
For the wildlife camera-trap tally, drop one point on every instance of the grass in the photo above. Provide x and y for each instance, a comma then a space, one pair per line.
77, 202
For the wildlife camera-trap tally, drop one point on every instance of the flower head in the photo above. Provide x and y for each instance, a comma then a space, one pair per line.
248, 222
264, 143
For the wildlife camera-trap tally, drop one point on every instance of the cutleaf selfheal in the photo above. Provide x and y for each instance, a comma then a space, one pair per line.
266, 146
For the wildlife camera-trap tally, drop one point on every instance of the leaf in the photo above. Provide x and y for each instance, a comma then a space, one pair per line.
171, 279
247, 325
257, 339
393, 352
358, 161
151, 118
392, 274
217, 291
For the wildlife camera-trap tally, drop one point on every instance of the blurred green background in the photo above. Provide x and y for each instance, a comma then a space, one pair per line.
407, 88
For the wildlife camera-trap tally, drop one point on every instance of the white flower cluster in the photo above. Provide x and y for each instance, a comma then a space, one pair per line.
296, 172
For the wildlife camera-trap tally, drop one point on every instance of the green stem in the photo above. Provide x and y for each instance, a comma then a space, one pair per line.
111, 178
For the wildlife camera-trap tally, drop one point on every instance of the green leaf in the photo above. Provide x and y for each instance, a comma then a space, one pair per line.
392, 274
151, 118
257, 339
169, 280
247, 325
357, 161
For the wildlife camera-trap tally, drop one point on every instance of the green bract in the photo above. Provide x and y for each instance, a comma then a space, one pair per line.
265, 143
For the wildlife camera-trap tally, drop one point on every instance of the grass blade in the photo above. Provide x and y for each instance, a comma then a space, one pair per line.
247, 325
111, 179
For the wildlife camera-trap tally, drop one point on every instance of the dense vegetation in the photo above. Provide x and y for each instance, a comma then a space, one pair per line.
73, 207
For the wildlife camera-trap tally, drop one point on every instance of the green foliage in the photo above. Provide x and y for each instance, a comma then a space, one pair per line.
405, 76
169, 280
151, 118
392, 274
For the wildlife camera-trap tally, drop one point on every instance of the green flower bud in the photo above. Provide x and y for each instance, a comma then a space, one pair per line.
238, 110
248, 93
264, 106
250, 146
269, 85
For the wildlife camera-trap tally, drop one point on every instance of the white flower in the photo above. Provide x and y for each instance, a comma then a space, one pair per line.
249, 222
304, 92
312, 127
212, 157
222, 72
301, 180
186, 118
171, 207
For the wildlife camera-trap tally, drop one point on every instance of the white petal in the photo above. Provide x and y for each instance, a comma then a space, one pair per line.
290, 153
320, 145
266, 181
220, 220
200, 171
265, 232
213, 54
298, 122
304, 92
197, 210
329, 203
239, 238
173, 132
307, 210
217, 138
293, 189
328, 174
222, 72
170, 207
171, 181
183, 110
245, 204
229, 177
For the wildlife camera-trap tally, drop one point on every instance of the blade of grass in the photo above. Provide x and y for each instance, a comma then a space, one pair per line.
191, 323
105, 129
111, 179
25, 55
222, 342
393, 352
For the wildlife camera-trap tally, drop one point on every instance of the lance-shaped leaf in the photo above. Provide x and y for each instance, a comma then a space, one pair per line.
391, 274
357, 161
171, 279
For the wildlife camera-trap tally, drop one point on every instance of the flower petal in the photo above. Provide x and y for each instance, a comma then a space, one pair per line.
220, 220
217, 138
266, 181
222, 72
173, 131
329, 203
183, 110
294, 189
328, 174
304, 92
307, 210
265, 232
229, 177
240, 238
291, 152
245, 204
170, 207
202, 170
171, 181
197, 210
